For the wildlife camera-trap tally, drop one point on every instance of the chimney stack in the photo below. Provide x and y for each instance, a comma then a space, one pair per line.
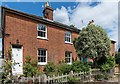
48, 12
91, 22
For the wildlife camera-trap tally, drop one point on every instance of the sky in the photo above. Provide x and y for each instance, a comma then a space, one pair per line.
76, 12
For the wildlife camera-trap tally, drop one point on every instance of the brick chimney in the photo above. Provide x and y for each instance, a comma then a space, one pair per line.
48, 12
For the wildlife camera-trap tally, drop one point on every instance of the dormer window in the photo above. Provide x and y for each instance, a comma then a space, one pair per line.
67, 37
42, 31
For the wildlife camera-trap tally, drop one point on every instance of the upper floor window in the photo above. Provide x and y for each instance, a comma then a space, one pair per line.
67, 37
42, 31
42, 56
68, 57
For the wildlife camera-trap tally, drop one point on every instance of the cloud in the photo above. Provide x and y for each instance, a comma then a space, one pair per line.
104, 14
61, 15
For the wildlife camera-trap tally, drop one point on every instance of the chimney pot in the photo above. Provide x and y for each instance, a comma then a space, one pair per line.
91, 22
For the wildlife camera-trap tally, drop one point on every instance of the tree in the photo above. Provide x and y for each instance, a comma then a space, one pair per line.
72, 25
117, 57
92, 42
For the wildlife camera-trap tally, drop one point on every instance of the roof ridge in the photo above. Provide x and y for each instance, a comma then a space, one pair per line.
41, 18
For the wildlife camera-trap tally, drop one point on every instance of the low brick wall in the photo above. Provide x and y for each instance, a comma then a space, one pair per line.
116, 68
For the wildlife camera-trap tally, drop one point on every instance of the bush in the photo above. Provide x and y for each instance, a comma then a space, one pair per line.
108, 65
102, 76
78, 66
99, 76
50, 67
63, 68
74, 80
31, 68
6, 76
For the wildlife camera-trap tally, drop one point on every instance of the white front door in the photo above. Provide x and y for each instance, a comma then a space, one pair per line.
17, 58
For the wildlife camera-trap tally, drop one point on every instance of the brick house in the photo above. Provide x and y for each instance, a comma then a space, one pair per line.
40, 37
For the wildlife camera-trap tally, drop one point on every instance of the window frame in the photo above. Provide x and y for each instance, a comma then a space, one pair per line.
69, 57
42, 31
68, 37
42, 63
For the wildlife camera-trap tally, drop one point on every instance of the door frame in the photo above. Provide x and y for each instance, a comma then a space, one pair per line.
18, 46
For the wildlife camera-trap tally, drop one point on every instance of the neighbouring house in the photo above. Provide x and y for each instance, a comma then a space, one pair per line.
40, 37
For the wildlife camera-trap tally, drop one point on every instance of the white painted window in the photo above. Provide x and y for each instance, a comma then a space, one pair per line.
42, 56
41, 31
68, 57
68, 37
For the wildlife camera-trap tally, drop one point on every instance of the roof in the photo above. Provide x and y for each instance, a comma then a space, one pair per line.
40, 19
113, 41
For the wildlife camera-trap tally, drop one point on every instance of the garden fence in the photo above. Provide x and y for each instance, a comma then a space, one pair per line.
58, 78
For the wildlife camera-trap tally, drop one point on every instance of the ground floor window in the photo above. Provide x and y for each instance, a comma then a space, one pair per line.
68, 57
42, 56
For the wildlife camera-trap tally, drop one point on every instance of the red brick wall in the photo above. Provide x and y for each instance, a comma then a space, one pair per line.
25, 30
112, 48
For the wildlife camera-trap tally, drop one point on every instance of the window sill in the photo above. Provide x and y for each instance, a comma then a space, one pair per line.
68, 43
42, 38
42, 63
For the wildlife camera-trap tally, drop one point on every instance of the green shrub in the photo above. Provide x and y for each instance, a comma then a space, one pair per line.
50, 67
78, 66
31, 68
102, 76
74, 80
90, 64
63, 68
99, 76
108, 65
8, 65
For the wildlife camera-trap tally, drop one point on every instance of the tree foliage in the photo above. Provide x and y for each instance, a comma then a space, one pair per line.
92, 42
117, 58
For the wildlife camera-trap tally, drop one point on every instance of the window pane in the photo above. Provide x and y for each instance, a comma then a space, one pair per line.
67, 57
65, 39
42, 34
66, 60
67, 36
44, 52
38, 26
38, 52
42, 56
39, 33
38, 59
42, 60
43, 28
68, 39
41, 52
69, 60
